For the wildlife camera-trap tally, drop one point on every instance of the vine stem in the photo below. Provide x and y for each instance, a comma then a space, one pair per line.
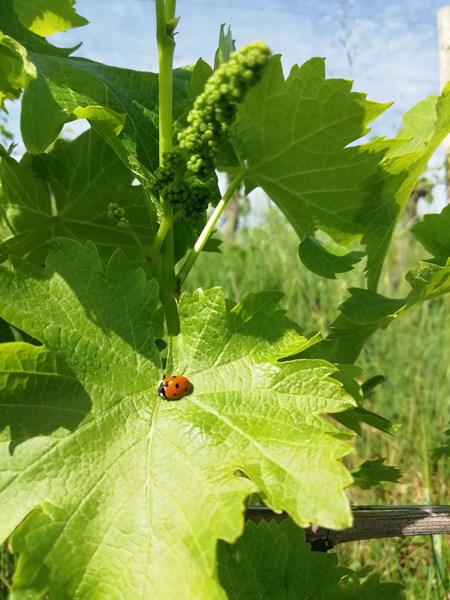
165, 12
209, 227
162, 250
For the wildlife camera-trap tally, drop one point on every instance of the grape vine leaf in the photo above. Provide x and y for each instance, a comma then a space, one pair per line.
362, 314
295, 134
225, 47
368, 386
110, 486
425, 126
45, 17
65, 86
67, 192
272, 560
353, 417
372, 472
298, 137
323, 260
428, 280
366, 311
15, 69
433, 232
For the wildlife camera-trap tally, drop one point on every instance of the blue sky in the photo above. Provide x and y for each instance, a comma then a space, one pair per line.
388, 47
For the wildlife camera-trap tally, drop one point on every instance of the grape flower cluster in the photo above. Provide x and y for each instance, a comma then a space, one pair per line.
215, 109
186, 174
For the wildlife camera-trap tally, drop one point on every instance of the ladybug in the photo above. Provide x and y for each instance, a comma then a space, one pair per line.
174, 387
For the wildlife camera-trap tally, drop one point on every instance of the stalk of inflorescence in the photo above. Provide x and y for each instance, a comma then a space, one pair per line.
188, 172
209, 228
162, 251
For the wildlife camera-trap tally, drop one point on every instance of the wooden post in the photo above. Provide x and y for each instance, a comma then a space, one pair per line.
444, 62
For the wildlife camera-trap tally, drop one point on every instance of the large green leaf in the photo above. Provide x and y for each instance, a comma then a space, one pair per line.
67, 192
272, 560
64, 85
117, 485
298, 137
295, 134
238, 380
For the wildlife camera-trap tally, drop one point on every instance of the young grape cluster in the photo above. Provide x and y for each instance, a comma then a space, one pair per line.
186, 175
115, 211
186, 193
191, 196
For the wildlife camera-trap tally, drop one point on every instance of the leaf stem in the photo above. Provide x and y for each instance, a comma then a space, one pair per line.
209, 227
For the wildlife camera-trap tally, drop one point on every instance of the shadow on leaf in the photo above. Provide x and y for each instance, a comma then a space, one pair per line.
40, 394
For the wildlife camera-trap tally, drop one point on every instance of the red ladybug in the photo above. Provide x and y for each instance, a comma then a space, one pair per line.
174, 387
